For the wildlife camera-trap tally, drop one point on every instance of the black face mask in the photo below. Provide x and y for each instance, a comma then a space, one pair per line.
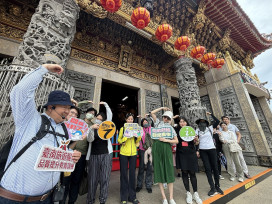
146, 125
202, 126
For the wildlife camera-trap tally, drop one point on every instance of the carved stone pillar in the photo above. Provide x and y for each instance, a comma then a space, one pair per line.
49, 34
47, 40
190, 104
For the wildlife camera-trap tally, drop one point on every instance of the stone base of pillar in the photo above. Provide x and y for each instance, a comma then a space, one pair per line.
265, 160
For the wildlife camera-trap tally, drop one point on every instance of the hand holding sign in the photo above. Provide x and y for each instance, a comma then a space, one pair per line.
162, 132
106, 130
77, 129
187, 133
133, 130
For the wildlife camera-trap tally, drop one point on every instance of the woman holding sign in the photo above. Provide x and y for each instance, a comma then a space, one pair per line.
128, 156
100, 163
186, 158
162, 152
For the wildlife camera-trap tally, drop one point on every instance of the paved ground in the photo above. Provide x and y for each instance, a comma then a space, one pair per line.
259, 194
179, 192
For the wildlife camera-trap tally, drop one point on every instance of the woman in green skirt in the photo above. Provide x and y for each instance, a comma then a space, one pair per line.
163, 156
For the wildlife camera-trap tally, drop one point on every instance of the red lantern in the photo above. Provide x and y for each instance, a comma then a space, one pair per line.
182, 43
164, 32
140, 17
198, 52
208, 58
111, 5
218, 63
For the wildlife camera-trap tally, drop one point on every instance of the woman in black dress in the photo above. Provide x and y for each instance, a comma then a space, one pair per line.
186, 160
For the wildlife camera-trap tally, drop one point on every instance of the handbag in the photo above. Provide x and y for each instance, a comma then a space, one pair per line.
58, 193
234, 147
59, 190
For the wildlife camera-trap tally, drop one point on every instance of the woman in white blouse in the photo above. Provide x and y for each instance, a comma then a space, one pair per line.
228, 138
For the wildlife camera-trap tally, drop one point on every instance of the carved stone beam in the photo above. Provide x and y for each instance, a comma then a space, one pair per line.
92, 7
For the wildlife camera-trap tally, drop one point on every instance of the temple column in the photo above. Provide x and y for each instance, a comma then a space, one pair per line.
190, 104
47, 40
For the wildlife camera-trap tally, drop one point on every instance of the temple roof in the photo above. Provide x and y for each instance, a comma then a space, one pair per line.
227, 14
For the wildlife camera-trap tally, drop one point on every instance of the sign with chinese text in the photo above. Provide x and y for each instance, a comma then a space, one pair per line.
106, 130
133, 130
54, 159
187, 133
165, 132
77, 129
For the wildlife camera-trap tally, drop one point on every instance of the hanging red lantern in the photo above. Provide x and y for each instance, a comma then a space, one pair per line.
218, 63
197, 52
182, 43
140, 17
111, 5
164, 32
208, 58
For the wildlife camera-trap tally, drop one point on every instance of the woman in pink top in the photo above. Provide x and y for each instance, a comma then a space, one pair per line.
145, 143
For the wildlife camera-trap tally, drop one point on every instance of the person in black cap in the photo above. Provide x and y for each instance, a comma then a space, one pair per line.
207, 152
21, 183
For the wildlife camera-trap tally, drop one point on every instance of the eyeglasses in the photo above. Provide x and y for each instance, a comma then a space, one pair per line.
166, 117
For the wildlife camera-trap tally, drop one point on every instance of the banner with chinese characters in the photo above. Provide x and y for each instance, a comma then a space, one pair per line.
54, 159
165, 132
77, 129
133, 130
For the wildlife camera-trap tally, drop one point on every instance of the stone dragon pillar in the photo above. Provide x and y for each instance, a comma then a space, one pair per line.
190, 104
47, 40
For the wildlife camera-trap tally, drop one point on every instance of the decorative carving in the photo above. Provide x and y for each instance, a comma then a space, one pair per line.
265, 161
251, 160
171, 50
231, 108
224, 43
188, 91
83, 56
125, 58
248, 60
200, 18
51, 31
263, 121
11, 32
226, 91
92, 8
164, 95
84, 85
152, 101
143, 75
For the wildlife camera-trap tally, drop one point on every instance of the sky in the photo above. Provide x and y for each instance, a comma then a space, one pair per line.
260, 13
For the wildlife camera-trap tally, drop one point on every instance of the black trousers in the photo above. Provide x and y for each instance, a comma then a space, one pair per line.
127, 185
209, 158
148, 175
72, 182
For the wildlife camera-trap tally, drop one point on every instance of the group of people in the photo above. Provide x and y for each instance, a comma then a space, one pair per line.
21, 183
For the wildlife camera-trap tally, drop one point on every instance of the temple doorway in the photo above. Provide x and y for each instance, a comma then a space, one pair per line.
121, 99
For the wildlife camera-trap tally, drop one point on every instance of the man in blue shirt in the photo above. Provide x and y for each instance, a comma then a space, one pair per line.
236, 131
21, 183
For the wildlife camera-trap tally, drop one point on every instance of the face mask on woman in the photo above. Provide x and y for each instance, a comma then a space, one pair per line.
202, 126
89, 116
146, 125
98, 121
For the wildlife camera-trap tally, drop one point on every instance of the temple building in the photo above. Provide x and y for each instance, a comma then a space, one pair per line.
107, 59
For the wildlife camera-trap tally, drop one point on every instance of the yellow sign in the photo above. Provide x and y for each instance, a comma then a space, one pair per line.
106, 130
250, 184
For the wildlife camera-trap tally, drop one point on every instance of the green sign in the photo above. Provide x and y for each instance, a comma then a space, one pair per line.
187, 133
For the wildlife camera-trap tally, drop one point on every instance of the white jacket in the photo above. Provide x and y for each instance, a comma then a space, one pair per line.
90, 137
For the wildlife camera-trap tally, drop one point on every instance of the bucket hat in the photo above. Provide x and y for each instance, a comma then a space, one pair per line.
58, 97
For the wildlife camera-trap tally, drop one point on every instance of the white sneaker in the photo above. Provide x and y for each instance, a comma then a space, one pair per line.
221, 177
165, 185
189, 198
172, 201
165, 201
232, 178
196, 198
240, 179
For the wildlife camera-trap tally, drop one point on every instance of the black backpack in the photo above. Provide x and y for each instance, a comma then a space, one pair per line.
44, 129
